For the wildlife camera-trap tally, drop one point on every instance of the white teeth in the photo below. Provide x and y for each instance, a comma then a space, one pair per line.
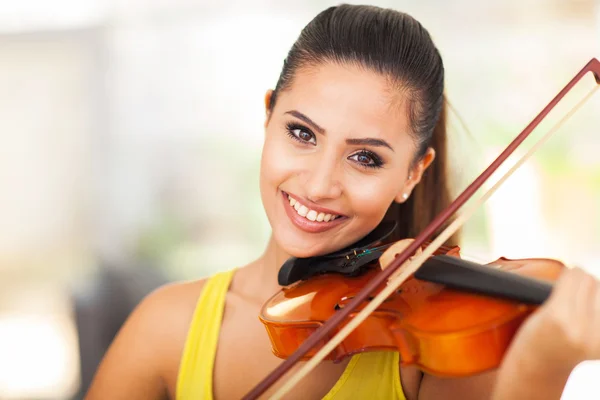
309, 214
303, 211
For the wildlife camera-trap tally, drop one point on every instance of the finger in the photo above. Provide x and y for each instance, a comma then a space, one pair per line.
573, 307
563, 300
564, 286
594, 336
584, 301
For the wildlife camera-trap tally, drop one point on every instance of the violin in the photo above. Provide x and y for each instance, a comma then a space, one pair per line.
437, 303
294, 313
442, 319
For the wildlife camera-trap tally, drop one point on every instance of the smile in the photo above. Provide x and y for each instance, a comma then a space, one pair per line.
313, 220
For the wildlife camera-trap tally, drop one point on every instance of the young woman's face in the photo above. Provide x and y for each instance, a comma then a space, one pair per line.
337, 153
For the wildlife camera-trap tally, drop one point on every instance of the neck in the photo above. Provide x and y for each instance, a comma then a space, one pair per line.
259, 279
271, 261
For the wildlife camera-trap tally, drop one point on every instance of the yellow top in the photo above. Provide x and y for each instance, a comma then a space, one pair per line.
373, 375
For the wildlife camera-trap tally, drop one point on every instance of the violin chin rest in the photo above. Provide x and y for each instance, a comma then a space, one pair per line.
343, 261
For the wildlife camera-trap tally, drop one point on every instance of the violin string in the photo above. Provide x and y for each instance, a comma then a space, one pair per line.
416, 262
388, 245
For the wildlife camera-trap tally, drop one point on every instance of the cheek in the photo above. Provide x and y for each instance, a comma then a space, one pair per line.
371, 198
276, 164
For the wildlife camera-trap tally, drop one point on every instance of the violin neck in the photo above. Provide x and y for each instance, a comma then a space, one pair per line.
470, 276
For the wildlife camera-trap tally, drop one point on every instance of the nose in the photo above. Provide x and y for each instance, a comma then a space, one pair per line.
323, 180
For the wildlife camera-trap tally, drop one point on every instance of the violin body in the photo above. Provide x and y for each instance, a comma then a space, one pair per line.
454, 333
294, 313
443, 331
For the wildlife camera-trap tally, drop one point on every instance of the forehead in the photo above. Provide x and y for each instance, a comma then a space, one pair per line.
348, 99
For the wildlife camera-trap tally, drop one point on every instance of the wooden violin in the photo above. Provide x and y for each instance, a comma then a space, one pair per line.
434, 319
430, 304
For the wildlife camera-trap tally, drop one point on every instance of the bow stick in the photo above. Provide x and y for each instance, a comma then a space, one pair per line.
592, 66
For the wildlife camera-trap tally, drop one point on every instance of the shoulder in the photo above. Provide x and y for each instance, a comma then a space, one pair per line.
167, 309
173, 302
146, 352
162, 321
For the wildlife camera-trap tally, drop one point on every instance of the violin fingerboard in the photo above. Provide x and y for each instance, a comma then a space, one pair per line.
466, 275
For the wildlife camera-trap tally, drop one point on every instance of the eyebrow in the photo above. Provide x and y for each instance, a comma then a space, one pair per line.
304, 118
357, 142
369, 142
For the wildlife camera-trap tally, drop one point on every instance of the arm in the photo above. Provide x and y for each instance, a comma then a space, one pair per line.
553, 341
144, 357
478, 387
518, 381
529, 382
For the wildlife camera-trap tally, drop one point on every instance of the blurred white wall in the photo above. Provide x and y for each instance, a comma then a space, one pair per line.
131, 132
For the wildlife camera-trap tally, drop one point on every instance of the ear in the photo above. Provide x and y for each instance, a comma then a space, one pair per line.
414, 176
268, 97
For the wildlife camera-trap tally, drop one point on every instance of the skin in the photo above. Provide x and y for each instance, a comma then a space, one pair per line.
324, 169
559, 336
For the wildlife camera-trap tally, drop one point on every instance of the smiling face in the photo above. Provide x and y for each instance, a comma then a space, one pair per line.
337, 153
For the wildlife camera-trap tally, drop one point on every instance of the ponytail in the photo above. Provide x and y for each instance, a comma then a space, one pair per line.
431, 196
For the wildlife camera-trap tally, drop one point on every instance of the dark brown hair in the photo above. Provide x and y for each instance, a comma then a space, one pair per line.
397, 46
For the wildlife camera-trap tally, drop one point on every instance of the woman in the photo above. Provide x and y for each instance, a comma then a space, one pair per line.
354, 133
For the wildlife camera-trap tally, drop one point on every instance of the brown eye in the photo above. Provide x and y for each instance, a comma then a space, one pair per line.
367, 159
301, 134
364, 159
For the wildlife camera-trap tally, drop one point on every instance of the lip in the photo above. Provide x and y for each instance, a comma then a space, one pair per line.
305, 224
312, 205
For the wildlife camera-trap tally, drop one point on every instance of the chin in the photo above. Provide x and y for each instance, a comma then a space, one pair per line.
301, 247
303, 250
304, 247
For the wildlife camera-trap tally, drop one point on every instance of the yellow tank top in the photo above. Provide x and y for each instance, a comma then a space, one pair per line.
373, 375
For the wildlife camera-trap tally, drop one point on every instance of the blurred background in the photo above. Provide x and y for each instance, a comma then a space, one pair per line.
130, 140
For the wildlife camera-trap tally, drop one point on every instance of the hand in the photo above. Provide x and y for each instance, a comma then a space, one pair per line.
562, 333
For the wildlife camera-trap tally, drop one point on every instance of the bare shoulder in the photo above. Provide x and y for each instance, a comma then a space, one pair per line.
143, 360
173, 302
164, 316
